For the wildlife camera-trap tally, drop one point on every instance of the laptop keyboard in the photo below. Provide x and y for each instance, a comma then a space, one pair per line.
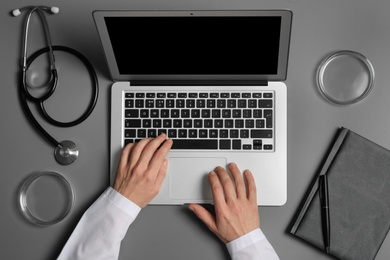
203, 120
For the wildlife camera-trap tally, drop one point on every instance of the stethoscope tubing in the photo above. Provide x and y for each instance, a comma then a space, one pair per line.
51, 84
25, 95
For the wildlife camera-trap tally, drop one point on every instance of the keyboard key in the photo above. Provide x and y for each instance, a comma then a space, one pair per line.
134, 113
202, 144
190, 103
192, 133
203, 133
180, 103
261, 133
216, 113
221, 103
172, 133
141, 133
160, 103
224, 144
133, 123
247, 147
182, 133
265, 103
130, 133
237, 144
268, 118
223, 133
129, 103
152, 133
244, 133
234, 133
213, 133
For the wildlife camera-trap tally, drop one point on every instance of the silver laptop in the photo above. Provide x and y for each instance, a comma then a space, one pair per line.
210, 80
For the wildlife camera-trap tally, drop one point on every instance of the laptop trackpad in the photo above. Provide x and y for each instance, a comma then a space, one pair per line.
188, 177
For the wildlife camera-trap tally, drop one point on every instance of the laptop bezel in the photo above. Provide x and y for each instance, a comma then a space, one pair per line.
281, 75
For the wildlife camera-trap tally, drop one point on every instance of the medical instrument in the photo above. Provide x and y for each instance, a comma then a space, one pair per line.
45, 198
345, 77
66, 151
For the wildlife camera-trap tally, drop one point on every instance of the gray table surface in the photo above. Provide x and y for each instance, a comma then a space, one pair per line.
172, 232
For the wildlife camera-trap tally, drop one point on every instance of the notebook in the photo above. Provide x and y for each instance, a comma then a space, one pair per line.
213, 82
359, 199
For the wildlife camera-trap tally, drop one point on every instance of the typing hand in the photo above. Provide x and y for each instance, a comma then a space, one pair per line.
142, 169
236, 211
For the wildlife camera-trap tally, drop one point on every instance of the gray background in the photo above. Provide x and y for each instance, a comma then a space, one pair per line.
171, 232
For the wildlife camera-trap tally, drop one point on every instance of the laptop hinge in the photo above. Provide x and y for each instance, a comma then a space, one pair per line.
199, 82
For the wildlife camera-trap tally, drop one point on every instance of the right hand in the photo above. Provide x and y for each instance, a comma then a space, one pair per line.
236, 211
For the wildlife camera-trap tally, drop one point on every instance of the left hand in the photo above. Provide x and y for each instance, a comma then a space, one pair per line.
142, 169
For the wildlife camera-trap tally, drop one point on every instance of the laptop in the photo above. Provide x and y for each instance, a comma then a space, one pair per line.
213, 82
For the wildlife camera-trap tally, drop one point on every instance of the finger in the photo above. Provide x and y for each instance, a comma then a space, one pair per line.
124, 159
251, 186
216, 189
151, 148
227, 183
160, 154
205, 216
122, 172
137, 151
161, 175
238, 180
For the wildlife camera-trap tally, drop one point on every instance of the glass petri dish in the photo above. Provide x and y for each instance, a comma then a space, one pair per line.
345, 77
45, 198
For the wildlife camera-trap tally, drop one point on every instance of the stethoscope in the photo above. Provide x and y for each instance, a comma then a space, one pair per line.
66, 151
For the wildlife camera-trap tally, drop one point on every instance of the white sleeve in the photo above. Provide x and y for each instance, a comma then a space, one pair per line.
99, 233
252, 246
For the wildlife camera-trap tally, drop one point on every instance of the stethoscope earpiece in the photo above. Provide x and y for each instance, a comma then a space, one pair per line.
53, 9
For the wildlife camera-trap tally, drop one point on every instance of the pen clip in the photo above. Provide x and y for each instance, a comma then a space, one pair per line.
321, 188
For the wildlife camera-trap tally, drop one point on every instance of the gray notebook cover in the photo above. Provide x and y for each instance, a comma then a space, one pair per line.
358, 172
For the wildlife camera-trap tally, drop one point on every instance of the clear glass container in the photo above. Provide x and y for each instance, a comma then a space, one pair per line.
45, 198
345, 77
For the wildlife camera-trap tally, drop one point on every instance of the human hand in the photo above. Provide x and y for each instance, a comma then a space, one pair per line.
142, 169
235, 203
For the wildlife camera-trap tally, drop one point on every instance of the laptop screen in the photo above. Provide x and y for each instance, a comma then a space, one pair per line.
189, 45
195, 45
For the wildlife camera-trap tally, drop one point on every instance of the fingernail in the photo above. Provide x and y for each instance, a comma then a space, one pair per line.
232, 165
165, 163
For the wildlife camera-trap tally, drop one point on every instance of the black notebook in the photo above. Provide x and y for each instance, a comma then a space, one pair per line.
358, 173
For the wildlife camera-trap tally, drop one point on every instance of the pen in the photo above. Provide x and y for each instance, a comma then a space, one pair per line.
325, 219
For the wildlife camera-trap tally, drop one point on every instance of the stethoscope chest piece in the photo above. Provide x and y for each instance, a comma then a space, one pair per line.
66, 152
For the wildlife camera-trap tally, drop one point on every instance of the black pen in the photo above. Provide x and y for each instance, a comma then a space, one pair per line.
325, 219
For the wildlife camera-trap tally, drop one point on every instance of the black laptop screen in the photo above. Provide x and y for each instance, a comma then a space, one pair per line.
195, 45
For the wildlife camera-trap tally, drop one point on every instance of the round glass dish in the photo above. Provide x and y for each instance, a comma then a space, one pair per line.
45, 198
345, 77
